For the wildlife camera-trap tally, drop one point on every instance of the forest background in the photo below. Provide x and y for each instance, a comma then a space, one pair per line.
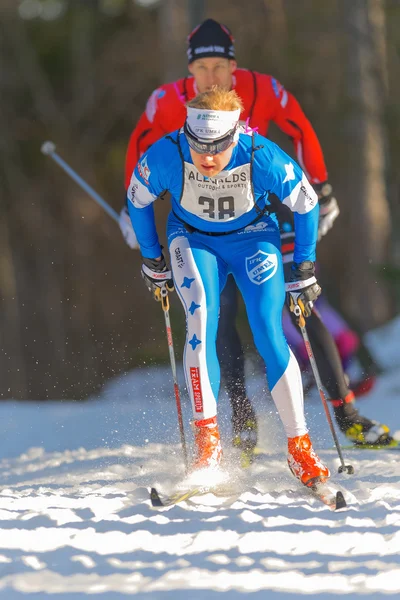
73, 309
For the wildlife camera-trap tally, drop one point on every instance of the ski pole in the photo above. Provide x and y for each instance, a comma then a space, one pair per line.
165, 307
302, 324
48, 148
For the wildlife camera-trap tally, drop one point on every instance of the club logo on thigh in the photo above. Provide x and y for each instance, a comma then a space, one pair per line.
261, 266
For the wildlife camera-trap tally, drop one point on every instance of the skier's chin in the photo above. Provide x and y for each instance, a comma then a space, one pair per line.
209, 171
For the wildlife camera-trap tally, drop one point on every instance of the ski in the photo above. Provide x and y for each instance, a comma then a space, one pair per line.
329, 495
157, 501
393, 446
222, 490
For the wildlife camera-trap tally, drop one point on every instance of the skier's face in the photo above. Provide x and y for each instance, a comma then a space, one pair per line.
212, 71
211, 165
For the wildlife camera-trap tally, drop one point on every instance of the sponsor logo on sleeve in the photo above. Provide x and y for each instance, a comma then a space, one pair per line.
179, 258
307, 195
290, 176
144, 170
133, 189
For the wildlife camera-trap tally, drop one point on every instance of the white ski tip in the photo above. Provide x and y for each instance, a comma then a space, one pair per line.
48, 148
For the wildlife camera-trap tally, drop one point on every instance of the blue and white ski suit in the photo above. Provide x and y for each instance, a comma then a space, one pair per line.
218, 226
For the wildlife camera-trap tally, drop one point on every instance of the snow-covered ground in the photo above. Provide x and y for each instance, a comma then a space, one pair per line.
76, 522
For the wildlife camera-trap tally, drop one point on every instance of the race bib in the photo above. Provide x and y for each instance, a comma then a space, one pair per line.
217, 199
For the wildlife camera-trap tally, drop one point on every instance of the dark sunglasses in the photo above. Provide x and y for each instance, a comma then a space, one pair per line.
213, 147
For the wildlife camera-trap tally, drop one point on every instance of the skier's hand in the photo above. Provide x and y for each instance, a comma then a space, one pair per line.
328, 208
156, 276
302, 289
125, 225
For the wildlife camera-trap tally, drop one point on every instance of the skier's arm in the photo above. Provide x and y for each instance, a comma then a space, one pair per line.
145, 186
147, 131
142, 137
290, 118
289, 183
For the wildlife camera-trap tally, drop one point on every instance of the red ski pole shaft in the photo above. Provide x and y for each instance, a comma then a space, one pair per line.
165, 307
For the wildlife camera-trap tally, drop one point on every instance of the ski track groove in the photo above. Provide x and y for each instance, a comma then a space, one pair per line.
100, 536
76, 520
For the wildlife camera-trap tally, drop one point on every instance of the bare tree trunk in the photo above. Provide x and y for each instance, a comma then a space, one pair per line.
14, 32
393, 38
13, 372
82, 54
277, 32
363, 291
173, 29
196, 13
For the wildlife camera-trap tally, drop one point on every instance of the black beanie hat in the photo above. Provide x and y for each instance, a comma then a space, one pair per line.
210, 39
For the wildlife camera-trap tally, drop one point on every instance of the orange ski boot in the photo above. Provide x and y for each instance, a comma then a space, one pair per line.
208, 444
304, 463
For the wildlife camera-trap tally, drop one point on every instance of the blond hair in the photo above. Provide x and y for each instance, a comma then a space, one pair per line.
217, 99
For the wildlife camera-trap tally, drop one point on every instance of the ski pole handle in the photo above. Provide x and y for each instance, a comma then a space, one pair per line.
49, 149
298, 312
164, 298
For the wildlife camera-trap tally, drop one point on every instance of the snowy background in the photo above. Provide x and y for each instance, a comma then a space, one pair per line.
76, 520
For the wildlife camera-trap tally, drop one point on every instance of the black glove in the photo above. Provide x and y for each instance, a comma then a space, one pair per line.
328, 208
302, 289
156, 276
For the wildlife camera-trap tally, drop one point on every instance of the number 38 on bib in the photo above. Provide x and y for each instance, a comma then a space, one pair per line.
221, 198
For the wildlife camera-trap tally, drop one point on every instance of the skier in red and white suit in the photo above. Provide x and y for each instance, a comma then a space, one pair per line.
211, 58
263, 97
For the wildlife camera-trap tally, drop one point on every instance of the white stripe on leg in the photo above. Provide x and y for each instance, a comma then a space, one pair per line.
190, 289
289, 400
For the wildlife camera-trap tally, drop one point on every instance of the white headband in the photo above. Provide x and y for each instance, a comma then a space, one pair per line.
211, 124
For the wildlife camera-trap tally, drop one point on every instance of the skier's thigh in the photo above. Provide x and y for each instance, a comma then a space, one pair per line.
259, 274
199, 274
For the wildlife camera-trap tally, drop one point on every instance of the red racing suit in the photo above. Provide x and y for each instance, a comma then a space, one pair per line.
264, 100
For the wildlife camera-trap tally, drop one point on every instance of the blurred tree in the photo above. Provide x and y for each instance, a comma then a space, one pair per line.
73, 310
196, 13
393, 119
173, 28
364, 293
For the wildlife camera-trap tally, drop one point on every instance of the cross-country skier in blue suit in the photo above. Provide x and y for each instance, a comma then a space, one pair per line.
219, 178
